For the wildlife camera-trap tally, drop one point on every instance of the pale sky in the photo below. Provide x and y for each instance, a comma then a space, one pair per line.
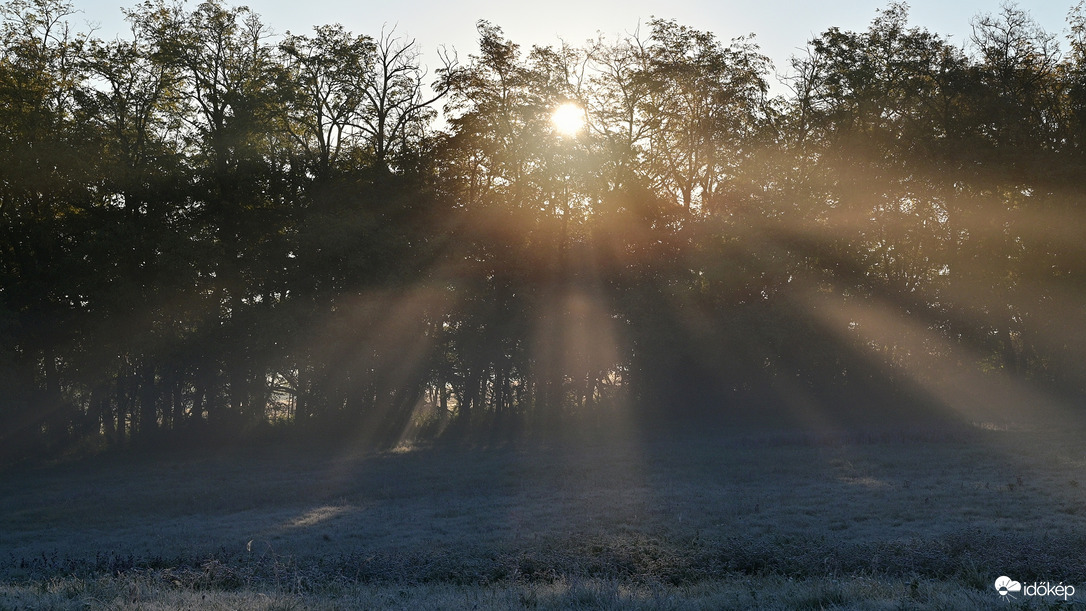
782, 28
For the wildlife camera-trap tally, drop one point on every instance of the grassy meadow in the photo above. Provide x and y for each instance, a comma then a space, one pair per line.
729, 518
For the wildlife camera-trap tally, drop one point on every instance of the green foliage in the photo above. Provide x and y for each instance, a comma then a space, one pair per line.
208, 228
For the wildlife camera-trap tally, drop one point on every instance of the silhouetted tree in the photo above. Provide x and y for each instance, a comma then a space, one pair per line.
207, 227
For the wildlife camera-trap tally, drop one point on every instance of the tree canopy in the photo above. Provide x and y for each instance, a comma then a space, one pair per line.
209, 229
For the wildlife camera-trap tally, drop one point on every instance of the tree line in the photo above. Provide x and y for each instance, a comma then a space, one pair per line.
208, 227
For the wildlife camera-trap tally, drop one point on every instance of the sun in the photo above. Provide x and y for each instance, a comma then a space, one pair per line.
568, 119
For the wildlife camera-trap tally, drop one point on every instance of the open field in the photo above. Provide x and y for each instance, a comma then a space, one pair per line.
726, 519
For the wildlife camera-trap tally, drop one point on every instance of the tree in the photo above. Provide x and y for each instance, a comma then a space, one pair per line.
398, 110
327, 77
705, 106
230, 110
43, 164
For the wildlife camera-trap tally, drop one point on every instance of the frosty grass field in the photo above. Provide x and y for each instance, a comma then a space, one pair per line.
921, 519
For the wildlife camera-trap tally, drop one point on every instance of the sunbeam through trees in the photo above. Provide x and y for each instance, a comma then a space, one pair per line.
208, 231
